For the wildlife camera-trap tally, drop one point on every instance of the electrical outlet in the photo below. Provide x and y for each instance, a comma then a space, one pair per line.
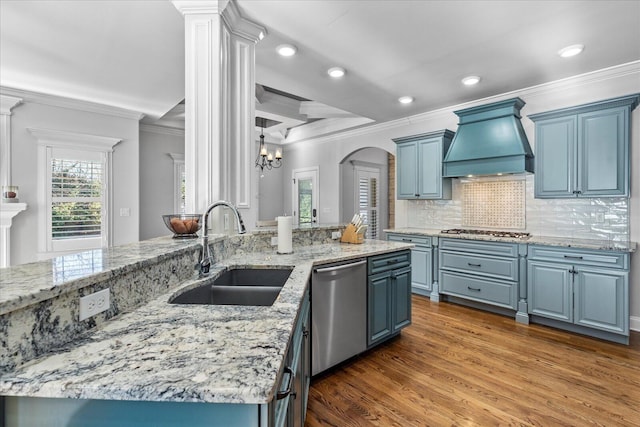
336, 235
226, 221
274, 241
95, 303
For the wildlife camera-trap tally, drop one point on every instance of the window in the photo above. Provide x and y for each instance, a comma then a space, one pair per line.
73, 175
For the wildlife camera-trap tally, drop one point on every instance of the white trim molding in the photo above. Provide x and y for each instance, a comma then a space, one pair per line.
76, 104
7, 103
49, 140
81, 141
162, 130
7, 212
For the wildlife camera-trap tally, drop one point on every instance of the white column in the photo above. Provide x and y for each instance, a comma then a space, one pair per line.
6, 104
7, 210
219, 102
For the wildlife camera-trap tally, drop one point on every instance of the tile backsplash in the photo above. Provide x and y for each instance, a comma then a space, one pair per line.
497, 204
582, 218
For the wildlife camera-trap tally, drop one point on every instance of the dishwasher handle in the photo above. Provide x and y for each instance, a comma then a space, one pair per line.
339, 267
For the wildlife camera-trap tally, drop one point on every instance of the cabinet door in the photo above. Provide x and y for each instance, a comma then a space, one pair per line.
379, 307
600, 297
430, 168
401, 298
550, 292
406, 170
603, 153
555, 159
422, 271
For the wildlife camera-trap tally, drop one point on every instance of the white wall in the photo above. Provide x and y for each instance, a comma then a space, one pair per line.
610, 83
32, 114
156, 178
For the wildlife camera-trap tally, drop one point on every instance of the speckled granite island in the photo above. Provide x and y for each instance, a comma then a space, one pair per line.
167, 364
578, 285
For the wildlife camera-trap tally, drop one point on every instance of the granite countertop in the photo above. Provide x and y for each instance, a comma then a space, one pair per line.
38, 281
187, 353
565, 242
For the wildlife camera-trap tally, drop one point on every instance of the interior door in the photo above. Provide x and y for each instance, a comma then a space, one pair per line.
305, 196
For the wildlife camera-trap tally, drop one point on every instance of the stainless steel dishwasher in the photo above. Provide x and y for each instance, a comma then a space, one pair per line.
338, 313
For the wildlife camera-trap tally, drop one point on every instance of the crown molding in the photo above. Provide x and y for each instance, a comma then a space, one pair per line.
241, 26
163, 130
74, 104
230, 13
7, 103
604, 74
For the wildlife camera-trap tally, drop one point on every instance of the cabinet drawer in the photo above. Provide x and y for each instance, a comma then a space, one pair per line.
480, 247
580, 256
407, 238
391, 261
499, 268
498, 293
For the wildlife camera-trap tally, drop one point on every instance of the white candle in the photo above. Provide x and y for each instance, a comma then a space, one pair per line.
278, 154
263, 151
270, 157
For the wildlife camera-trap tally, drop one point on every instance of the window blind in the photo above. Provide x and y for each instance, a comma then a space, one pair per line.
76, 198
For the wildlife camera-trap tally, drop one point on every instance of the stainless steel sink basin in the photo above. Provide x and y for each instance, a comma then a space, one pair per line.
239, 286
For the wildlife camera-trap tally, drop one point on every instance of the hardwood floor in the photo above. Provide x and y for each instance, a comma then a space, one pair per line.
459, 366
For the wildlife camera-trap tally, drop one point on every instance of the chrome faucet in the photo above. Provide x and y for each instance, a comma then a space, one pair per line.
204, 262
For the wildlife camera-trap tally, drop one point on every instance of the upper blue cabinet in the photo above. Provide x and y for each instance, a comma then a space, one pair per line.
419, 166
583, 151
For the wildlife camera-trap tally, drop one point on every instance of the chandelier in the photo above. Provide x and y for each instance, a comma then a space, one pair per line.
265, 159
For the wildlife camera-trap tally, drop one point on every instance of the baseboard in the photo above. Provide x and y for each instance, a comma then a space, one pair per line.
634, 323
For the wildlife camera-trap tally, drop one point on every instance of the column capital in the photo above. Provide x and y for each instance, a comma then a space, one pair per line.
7, 103
230, 13
200, 7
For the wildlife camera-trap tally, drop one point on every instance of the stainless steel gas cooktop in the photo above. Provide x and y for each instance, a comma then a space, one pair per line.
493, 233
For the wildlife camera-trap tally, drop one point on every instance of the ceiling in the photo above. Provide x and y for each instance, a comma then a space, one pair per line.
130, 54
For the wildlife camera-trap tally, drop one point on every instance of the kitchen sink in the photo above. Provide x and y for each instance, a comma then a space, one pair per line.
238, 286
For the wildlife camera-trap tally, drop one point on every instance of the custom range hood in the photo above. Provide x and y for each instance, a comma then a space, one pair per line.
490, 140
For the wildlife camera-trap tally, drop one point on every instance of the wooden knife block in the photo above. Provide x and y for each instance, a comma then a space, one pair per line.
349, 235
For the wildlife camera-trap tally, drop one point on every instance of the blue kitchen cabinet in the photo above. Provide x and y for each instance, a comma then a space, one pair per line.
419, 166
421, 261
389, 296
585, 291
583, 151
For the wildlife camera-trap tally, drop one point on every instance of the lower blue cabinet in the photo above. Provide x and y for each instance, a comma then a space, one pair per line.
389, 298
586, 290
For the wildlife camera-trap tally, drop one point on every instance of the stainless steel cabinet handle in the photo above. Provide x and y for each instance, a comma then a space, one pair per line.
282, 394
474, 265
474, 289
339, 267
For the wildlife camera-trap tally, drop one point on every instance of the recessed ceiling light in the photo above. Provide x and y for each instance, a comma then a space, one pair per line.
405, 99
286, 50
570, 51
336, 72
471, 80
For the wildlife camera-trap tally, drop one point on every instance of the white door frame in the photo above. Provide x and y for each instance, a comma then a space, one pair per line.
310, 172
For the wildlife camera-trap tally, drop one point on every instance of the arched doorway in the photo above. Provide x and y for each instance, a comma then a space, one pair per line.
367, 184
